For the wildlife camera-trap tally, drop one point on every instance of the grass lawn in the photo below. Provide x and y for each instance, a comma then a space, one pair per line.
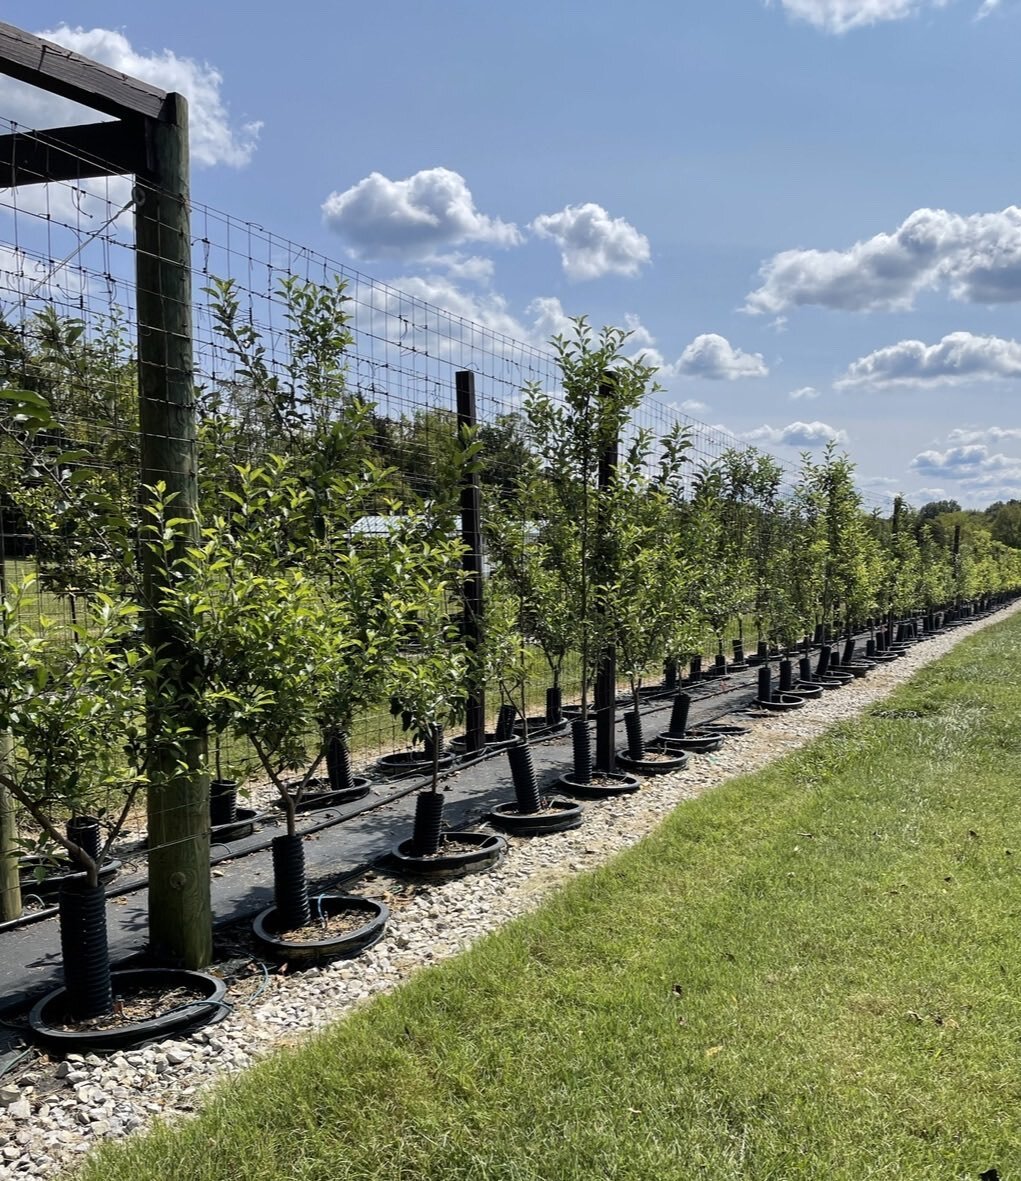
810, 972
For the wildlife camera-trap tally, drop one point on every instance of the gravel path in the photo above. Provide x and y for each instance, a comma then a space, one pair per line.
52, 1111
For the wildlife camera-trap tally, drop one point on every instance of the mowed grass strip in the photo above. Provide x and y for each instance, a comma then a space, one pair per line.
812, 972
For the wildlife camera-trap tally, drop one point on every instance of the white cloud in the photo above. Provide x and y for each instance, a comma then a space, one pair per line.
691, 406
924, 494
592, 243
215, 139
971, 463
797, 434
877, 481
992, 434
471, 267
841, 16
713, 357
805, 393
988, 6
977, 257
414, 218
959, 357
24, 278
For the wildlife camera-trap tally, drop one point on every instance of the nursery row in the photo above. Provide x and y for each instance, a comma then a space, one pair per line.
332, 559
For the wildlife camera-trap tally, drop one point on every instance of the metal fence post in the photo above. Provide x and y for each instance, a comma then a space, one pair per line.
473, 591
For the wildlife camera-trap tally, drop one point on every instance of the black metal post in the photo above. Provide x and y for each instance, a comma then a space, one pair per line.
471, 536
606, 674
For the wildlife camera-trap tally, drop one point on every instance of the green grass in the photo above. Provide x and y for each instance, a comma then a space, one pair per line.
811, 972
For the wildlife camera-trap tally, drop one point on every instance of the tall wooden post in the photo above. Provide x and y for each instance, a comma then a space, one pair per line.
606, 674
471, 536
10, 889
180, 914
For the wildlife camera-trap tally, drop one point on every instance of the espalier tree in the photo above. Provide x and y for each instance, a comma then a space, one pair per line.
535, 547
643, 617
571, 435
716, 552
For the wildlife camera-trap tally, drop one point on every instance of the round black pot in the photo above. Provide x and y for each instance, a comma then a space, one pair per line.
320, 793
808, 690
539, 727
886, 657
457, 745
488, 850
619, 784
728, 729
696, 741
48, 889
842, 676
646, 766
243, 825
557, 816
857, 670
349, 944
830, 683
780, 702
50, 1014
407, 762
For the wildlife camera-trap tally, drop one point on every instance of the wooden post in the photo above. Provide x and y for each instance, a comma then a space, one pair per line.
606, 674
180, 913
471, 536
10, 889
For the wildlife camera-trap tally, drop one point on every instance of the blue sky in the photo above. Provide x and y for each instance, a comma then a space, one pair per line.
805, 208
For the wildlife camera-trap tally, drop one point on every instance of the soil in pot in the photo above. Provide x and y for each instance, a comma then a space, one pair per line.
601, 783
458, 853
653, 762
148, 1004
553, 815
339, 925
407, 762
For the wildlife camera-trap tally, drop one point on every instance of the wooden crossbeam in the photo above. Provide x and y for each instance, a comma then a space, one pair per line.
58, 70
114, 148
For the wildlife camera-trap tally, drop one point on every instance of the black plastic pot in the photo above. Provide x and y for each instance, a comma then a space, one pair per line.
765, 683
807, 690
671, 676
540, 727
696, 741
492, 742
695, 670
581, 745
273, 936
554, 815
243, 826
781, 702
58, 874
51, 1013
410, 762
506, 717
320, 793
858, 670
616, 783
647, 766
488, 849
786, 678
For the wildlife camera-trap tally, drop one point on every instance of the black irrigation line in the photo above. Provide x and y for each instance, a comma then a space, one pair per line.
708, 689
